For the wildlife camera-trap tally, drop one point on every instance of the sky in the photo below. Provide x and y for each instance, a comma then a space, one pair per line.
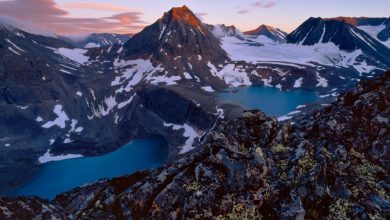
71, 17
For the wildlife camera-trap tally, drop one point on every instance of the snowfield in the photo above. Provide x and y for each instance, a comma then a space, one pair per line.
327, 54
76, 55
48, 157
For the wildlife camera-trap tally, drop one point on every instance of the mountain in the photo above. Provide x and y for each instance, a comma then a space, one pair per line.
378, 28
346, 36
56, 99
331, 164
104, 39
221, 30
274, 34
181, 44
99, 40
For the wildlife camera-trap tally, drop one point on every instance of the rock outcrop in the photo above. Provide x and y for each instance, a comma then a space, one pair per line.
333, 164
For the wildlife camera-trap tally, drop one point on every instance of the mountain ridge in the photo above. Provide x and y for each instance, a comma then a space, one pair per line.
268, 31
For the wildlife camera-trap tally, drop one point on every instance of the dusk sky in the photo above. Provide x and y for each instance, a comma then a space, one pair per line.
129, 16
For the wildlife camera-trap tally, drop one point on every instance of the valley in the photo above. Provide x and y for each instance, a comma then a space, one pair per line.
167, 99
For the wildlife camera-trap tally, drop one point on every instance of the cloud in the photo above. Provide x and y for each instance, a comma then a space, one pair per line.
95, 6
201, 15
264, 4
241, 12
47, 15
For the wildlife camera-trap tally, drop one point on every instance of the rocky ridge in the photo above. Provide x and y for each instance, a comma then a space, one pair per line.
272, 33
332, 164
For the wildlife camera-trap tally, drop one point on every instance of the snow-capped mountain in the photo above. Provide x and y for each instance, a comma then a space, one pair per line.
56, 99
99, 40
346, 36
221, 30
378, 28
267, 32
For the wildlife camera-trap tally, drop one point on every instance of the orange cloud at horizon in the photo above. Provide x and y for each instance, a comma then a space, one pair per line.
38, 15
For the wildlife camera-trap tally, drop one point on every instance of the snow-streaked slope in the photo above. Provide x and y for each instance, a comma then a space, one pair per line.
374, 31
327, 54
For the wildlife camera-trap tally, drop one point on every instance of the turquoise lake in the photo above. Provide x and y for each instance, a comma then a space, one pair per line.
271, 101
60, 176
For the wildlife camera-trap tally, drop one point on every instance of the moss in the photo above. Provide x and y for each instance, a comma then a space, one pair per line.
305, 164
366, 174
241, 212
338, 210
279, 148
194, 186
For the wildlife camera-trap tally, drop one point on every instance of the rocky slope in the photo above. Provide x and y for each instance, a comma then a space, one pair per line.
331, 165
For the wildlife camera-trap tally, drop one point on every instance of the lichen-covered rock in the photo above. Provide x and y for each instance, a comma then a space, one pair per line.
332, 165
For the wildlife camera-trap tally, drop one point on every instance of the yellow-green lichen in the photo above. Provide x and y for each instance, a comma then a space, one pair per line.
241, 212
192, 186
279, 148
338, 210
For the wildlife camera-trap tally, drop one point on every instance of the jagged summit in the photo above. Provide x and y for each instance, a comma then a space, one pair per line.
360, 21
183, 14
268, 31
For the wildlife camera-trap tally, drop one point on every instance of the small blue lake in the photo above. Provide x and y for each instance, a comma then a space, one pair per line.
271, 101
60, 176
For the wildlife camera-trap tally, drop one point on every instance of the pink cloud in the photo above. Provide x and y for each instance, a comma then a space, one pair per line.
46, 14
243, 12
201, 15
95, 6
264, 4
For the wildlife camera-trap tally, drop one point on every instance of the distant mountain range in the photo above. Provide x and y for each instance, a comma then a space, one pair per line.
274, 34
59, 97
99, 40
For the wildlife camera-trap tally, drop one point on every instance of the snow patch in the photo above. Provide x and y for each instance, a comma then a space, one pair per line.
76, 55
231, 75
298, 83
189, 132
62, 117
48, 157
208, 89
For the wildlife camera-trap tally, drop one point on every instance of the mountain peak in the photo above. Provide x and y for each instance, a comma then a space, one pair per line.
268, 31
182, 14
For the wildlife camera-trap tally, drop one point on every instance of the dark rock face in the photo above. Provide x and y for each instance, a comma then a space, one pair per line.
332, 164
344, 35
268, 31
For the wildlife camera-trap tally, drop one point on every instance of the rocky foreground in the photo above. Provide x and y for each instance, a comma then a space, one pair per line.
332, 165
